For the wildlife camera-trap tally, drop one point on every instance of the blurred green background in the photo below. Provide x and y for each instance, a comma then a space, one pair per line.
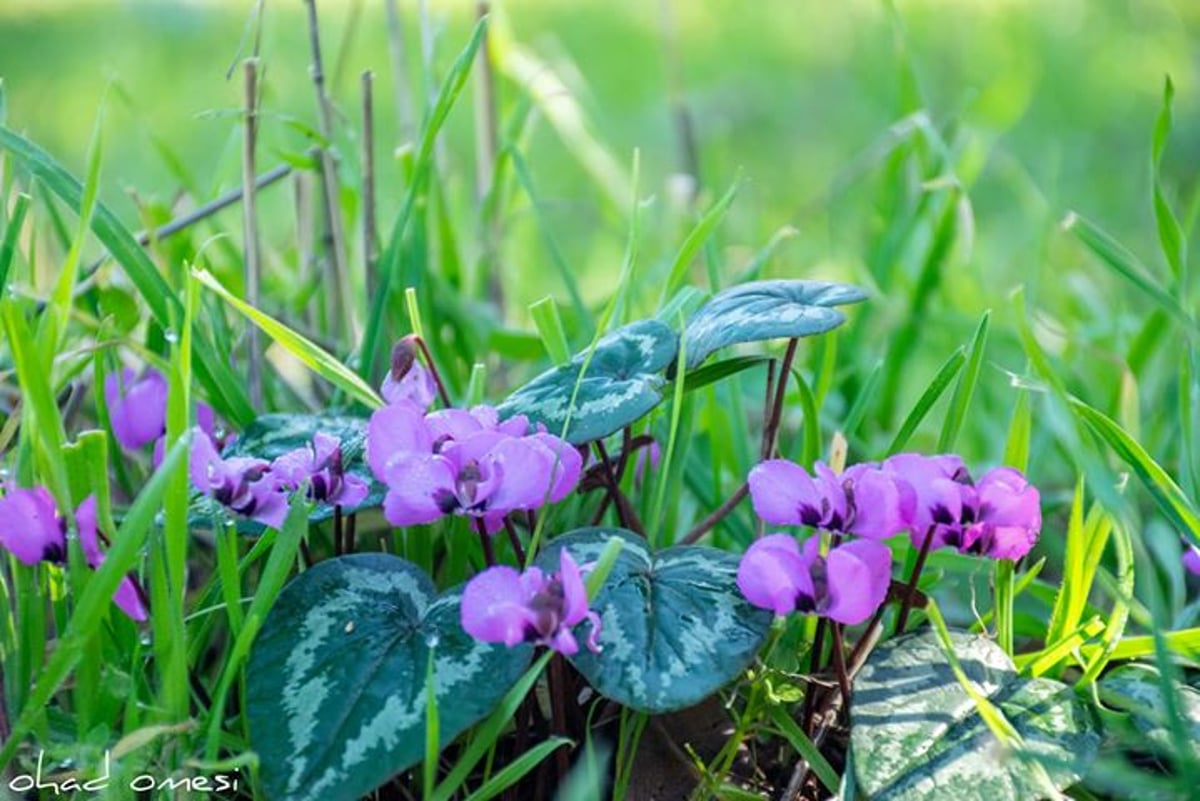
1033, 108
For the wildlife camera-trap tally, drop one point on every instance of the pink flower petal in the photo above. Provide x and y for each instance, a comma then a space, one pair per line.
772, 574
858, 575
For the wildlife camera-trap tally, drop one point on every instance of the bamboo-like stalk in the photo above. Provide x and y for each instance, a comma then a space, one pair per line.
370, 236
334, 239
253, 267
399, 58
487, 144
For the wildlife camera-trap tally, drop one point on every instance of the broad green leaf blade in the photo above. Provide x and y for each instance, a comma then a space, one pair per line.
224, 390
674, 626
617, 384
317, 360
917, 734
272, 435
336, 682
767, 310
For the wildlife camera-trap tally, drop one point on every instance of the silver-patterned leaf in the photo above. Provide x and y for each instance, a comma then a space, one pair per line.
917, 734
336, 681
622, 383
763, 310
674, 626
1137, 690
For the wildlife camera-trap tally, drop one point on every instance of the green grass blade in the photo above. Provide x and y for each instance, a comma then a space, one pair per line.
695, 240
549, 325
929, 397
1114, 627
94, 603
965, 388
805, 747
8, 246
270, 583
514, 771
308, 352
389, 262
65, 285
1170, 235
1170, 498
1125, 264
1072, 593
489, 731
226, 392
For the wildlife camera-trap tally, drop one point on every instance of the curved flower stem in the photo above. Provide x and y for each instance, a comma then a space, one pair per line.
558, 687
437, 377
515, 540
768, 404
485, 539
710, 522
839, 662
625, 512
771, 431
338, 528
911, 595
814, 667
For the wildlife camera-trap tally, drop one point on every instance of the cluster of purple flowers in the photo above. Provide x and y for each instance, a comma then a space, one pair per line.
931, 497
253, 488
502, 605
33, 531
456, 461
137, 410
258, 489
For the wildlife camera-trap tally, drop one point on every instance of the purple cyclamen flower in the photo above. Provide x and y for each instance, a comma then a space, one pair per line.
319, 465
127, 596
1007, 517
408, 379
999, 516
31, 528
243, 484
865, 500
1191, 558
944, 498
502, 605
137, 407
459, 462
847, 585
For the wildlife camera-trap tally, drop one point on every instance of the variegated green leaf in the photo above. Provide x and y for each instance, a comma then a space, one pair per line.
766, 310
674, 626
336, 687
917, 734
1138, 690
622, 382
273, 435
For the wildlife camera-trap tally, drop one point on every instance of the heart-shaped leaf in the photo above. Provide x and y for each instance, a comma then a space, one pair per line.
336, 688
1138, 690
917, 734
273, 435
766, 310
674, 626
621, 384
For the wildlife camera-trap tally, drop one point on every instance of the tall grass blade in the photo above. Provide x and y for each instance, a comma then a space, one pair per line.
95, 601
308, 352
225, 390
